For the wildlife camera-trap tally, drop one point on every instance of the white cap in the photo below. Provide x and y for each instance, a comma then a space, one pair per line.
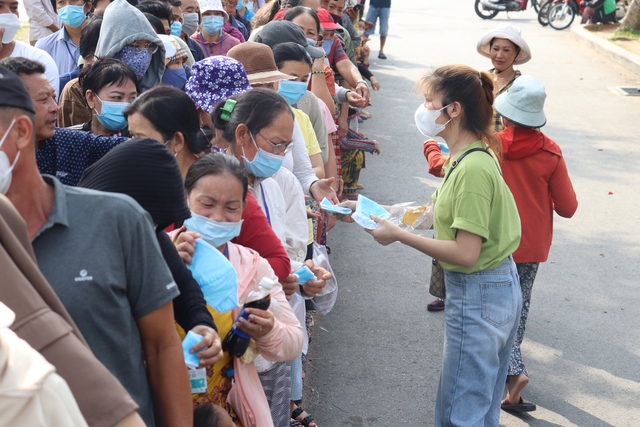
267, 283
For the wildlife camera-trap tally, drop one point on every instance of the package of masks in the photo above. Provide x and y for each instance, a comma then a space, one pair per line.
411, 216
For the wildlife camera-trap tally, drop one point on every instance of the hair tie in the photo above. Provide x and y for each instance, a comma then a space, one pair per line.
227, 109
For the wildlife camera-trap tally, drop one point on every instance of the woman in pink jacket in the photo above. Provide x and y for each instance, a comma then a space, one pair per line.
217, 188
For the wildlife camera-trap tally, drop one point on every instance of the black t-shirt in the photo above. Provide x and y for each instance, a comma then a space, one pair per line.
380, 3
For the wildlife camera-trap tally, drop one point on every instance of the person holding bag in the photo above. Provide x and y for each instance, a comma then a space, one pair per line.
477, 229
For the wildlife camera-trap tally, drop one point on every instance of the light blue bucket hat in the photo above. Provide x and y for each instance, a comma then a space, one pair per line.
523, 102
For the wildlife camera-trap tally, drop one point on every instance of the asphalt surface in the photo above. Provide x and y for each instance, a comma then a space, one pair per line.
375, 359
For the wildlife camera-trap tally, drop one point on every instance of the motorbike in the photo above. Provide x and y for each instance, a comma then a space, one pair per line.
488, 9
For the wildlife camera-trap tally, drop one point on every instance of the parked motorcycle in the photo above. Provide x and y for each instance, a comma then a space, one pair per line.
488, 9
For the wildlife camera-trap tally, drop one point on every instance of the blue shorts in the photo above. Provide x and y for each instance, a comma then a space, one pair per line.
375, 13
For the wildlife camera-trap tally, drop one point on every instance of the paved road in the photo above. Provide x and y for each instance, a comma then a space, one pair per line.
375, 359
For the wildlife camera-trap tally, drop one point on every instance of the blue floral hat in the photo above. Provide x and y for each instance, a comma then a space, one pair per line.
216, 79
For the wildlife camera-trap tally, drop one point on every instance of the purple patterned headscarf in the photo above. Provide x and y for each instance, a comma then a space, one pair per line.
215, 79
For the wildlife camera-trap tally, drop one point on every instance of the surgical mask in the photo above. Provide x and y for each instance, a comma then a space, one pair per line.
264, 164
426, 121
5, 166
312, 42
240, 5
11, 25
212, 24
326, 46
138, 59
176, 28
336, 18
189, 23
292, 91
112, 116
364, 209
216, 276
72, 15
176, 78
214, 232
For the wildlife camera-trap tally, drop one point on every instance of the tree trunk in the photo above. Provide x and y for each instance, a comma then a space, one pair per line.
632, 19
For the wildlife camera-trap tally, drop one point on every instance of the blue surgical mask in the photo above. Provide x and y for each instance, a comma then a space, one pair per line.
264, 164
364, 209
112, 116
292, 91
326, 46
176, 78
216, 276
312, 42
212, 24
214, 232
72, 15
240, 5
176, 28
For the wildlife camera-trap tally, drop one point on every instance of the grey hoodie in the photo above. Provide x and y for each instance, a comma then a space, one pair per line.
123, 24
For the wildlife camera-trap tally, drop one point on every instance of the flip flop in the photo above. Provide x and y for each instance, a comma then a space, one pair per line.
521, 406
382, 56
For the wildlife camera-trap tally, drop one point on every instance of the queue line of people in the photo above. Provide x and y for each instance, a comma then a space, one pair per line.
138, 104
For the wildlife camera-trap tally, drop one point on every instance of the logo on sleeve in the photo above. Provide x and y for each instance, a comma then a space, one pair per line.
84, 276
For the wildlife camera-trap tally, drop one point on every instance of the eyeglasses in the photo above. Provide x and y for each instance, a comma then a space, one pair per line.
279, 148
144, 45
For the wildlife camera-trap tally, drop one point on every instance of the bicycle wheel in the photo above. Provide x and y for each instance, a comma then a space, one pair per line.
561, 15
543, 13
484, 13
536, 5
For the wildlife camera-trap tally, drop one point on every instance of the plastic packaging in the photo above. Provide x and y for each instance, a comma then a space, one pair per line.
191, 359
237, 341
304, 274
410, 216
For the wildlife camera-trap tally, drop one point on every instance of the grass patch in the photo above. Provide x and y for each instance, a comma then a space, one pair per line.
627, 32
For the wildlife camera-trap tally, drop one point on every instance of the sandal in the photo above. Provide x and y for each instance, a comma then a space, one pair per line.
521, 406
305, 421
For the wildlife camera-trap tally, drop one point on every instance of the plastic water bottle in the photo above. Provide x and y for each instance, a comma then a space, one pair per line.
236, 342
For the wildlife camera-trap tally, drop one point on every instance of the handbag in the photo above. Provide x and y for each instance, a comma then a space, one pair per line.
436, 284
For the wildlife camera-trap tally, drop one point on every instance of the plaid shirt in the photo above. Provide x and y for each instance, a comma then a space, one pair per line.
497, 123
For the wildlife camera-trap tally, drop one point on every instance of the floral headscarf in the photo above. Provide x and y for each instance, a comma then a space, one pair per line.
215, 79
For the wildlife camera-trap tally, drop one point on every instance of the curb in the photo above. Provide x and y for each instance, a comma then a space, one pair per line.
623, 57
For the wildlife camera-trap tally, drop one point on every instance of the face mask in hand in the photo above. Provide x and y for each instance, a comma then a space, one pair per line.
292, 91
189, 23
11, 25
112, 116
216, 276
72, 15
426, 121
214, 232
5, 166
212, 24
264, 164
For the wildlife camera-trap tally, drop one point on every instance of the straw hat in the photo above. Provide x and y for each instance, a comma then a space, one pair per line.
509, 32
523, 102
258, 62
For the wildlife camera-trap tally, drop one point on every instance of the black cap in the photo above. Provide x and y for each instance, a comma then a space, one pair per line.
276, 32
13, 93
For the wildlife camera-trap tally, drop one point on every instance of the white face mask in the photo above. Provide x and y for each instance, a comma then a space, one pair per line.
5, 166
426, 121
11, 25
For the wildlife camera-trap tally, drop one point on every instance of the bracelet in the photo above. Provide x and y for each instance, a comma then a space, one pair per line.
318, 72
362, 81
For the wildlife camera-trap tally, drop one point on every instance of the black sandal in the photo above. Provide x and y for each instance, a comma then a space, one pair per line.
305, 421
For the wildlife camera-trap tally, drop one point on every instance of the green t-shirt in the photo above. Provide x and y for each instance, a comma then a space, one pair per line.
476, 199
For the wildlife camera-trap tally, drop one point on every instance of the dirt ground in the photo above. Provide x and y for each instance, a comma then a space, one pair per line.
606, 32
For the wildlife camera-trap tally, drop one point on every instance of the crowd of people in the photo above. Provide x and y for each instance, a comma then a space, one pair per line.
168, 157
164, 162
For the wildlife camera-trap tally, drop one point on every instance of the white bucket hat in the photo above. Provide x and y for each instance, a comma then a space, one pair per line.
523, 102
509, 32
